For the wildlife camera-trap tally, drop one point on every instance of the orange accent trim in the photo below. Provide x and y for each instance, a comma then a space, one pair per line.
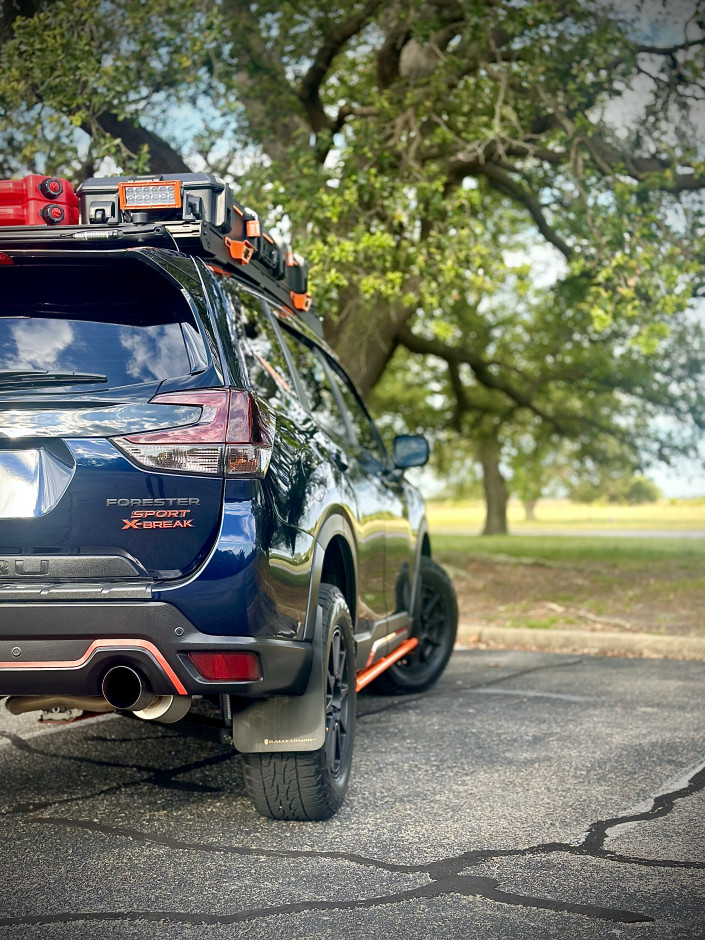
174, 204
216, 270
268, 238
367, 675
239, 251
238, 210
97, 645
301, 301
384, 639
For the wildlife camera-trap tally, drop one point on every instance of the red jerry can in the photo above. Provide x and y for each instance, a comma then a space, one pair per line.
38, 200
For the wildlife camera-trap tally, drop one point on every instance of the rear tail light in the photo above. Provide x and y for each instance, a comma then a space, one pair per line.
229, 667
233, 436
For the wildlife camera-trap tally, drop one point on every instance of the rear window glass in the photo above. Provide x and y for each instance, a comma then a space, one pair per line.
122, 320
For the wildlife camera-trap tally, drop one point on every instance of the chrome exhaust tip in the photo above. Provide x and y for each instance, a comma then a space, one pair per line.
125, 689
166, 709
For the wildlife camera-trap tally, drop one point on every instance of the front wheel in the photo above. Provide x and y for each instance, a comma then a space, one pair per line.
312, 786
436, 627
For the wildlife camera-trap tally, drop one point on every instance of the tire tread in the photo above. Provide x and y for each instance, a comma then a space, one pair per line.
296, 785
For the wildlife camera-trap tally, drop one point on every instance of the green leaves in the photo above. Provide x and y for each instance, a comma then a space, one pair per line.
420, 154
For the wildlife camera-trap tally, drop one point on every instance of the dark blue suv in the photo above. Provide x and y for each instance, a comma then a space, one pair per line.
197, 514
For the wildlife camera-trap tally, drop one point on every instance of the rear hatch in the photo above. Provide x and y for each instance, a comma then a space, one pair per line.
85, 345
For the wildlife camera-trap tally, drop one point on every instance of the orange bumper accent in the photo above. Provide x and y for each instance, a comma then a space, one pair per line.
95, 647
367, 675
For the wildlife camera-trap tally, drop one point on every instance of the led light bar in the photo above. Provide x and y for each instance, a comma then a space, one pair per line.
152, 195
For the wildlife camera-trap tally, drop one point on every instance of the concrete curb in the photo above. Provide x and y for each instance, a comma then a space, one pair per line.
646, 645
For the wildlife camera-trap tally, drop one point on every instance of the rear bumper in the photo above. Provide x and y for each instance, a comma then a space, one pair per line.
65, 648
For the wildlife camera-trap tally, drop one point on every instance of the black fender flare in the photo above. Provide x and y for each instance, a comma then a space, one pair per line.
335, 525
422, 535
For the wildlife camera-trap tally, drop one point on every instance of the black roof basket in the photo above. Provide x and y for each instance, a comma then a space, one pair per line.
195, 213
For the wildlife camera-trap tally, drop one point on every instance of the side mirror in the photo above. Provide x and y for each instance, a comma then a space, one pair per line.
410, 450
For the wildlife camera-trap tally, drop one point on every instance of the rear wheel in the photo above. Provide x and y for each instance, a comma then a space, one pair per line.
436, 627
312, 786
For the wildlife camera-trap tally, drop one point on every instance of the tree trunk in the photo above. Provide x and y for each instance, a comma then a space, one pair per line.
529, 509
496, 495
365, 341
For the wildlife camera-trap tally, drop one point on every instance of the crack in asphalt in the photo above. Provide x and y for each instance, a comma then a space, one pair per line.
447, 876
465, 885
661, 806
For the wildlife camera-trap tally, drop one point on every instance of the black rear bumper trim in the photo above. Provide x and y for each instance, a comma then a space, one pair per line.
66, 649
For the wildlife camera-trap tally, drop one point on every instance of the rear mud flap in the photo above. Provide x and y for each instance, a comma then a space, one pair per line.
287, 722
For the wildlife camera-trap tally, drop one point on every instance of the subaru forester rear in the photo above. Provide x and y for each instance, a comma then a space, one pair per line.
194, 503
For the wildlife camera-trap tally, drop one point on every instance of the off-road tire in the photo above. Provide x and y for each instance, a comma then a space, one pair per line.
311, 786
435, 627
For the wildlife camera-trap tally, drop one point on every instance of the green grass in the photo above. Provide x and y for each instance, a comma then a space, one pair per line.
619, 552
550, 622
560, 514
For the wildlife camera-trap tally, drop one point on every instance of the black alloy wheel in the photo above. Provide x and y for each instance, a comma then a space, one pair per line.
435, 627
339, 704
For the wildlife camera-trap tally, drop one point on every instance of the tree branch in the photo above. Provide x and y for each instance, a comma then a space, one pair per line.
502, 181
163, 158
610, 159
309, 92
669, 50
455, 355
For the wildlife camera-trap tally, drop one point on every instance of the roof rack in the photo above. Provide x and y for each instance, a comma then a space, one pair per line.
195, 213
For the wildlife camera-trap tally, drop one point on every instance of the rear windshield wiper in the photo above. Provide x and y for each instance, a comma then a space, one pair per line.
27, 378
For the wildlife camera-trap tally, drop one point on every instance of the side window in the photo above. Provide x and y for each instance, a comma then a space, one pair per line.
316, 383
368, 438
258, 343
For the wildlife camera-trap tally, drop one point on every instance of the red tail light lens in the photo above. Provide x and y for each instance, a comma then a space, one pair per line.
233, 436
228, 667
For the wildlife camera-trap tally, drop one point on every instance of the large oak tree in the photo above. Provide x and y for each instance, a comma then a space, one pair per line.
412, 148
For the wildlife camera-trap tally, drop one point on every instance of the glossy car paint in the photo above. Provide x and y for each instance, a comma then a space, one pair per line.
247, 570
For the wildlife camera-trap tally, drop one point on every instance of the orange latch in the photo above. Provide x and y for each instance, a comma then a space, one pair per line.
239, 251
301, 301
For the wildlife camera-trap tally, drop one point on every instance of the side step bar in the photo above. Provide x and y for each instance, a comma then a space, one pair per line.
367, 675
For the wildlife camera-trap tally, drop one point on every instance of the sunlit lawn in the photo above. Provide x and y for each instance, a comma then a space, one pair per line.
687, 553
652, 583
560, 514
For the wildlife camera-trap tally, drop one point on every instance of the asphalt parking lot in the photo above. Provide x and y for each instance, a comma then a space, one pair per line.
531, 795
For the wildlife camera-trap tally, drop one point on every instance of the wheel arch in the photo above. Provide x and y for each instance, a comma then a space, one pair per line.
335, 562
423, 550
